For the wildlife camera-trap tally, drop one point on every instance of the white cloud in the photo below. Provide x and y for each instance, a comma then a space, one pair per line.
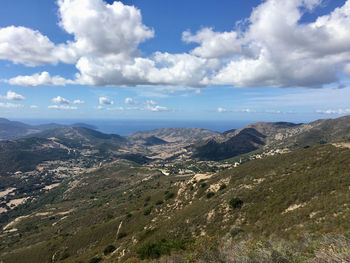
78, 102
42, 79
102, 29
63, 101
148, 105
33, 106
99, 107
334, 112
152, 106
159, 108
10, 105
162, 68
130, 101
115, 109
275, 48
11, 95
105, 101
151, 102
60, 100
29, 47
280, 51
62, 107
222, 110
105, 56
213, 44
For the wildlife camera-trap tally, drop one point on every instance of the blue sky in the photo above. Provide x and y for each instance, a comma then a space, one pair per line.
176, 60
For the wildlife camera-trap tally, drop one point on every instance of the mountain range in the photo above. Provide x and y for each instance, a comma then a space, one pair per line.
268, 192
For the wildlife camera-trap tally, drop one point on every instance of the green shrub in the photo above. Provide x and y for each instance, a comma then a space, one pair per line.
129, 215
121, 235
162, 247
169, 195
203, 185
108, 250
147, 199
210, 194
222, 187
148, 211
159, 202
236, 203
95, 260
153, 250
64, 256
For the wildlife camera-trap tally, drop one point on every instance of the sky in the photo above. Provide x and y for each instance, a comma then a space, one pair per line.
175, 60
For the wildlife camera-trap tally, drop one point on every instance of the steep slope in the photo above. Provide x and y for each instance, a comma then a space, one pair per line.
273, 136
13, 129
319, 132
111, 216
62, 143
24, 154
178, 135
246, 140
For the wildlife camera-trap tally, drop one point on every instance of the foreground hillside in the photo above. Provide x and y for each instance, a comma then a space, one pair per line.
285, 208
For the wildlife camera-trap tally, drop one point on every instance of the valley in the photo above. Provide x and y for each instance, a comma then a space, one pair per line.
272, 192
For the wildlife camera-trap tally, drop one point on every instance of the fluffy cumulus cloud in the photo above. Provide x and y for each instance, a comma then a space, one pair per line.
78, 102
148, 105
29, 47
39, 79
64, 104
274, 48
105, 101
151, 105
130, 101
213, 44
11, 95
102, 29
60, 100
281, 51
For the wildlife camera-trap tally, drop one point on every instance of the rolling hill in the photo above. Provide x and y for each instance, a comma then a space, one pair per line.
126, 202
182, 135
11, 130
285, 208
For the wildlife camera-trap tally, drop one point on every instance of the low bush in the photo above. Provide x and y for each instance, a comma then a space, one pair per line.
210, 194
159, 202
169, 196
236, 203
121, 235
222, 187
148, 211
159, 248
95, 260
108, 250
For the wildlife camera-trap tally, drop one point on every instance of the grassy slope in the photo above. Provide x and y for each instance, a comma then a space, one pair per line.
317, 179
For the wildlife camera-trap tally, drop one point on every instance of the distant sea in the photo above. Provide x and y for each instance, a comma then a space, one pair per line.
128, 127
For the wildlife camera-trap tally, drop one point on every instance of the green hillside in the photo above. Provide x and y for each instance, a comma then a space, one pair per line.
284, 208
